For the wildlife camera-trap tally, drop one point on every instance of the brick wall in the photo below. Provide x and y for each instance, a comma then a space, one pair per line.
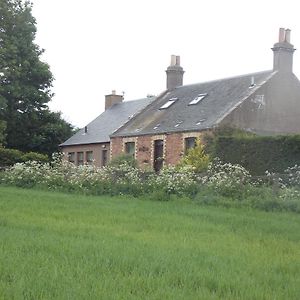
97, 150
174, 145
143, 151
116, 147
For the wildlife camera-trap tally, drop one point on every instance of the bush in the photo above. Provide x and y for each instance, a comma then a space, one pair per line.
227, 179
196, 158
9, 157
259, 153
35, 156
124, 159
224, 184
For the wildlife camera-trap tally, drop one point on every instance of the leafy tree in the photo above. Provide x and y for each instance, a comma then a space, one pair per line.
196, 157
25, 83
2, 122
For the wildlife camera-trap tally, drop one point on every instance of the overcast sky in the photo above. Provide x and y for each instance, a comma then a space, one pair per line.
95, 46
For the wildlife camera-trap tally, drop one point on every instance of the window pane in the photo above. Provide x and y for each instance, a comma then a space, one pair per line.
190, 143
71, 157
130, 148
80, 158
89, 157
197, 99
169, 103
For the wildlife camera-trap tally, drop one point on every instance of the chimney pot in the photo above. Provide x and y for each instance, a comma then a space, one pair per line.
178, 60
288, 35
173, 60
281, 35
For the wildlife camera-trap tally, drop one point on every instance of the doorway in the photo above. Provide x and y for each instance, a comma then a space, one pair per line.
158, 157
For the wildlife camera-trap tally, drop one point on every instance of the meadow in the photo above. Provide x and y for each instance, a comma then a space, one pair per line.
67, 246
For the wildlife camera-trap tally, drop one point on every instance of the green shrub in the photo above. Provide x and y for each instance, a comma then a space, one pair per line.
35, 156
124, 159
9, 157
196, 158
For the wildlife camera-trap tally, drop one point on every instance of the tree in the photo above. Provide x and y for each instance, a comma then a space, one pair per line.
25, 83
2, 122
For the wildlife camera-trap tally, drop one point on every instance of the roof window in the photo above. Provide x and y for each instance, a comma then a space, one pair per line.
198, 99
200, 121
156, 126
169, 103
178, 124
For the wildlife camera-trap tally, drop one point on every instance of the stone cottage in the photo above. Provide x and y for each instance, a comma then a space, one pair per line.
163, 128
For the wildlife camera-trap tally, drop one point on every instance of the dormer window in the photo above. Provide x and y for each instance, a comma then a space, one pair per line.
199, 98
169, 103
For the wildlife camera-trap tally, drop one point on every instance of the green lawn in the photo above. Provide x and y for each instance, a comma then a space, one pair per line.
59, 246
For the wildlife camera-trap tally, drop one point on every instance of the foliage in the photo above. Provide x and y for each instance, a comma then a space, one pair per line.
2, 122
226, 178
196, 158
258, 154
223, 184
9, 157
124, 159
25, 83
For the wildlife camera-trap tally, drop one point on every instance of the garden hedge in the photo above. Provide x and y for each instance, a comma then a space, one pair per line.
259, 153
9, 157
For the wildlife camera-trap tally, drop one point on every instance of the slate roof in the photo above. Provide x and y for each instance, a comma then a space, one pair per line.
98, 130
222, 97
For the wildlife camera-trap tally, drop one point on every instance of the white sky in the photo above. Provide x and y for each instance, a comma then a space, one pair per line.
95, 46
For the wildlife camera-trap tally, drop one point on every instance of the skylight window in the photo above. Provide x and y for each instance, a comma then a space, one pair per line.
178, 124
156, 126
199, 98
169, 103
200, 121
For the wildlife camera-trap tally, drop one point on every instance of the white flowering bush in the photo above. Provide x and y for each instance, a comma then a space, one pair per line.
172, 180
224, 183
293, 176
226, 178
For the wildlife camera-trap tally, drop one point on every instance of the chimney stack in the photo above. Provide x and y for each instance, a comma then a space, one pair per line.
112, 99
174, 73
283, 52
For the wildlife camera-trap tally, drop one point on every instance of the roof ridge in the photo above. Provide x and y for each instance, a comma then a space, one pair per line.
225, 78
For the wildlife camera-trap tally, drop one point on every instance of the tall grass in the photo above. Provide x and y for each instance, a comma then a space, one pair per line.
58, 246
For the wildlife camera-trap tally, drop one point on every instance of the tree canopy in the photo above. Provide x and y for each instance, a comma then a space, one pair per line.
26, 123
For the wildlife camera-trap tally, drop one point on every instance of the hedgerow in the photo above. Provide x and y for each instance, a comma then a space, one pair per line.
223, 184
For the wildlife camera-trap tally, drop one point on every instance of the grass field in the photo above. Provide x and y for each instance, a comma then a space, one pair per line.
59, 246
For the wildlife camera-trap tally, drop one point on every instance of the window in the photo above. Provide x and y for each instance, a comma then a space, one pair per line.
198, 99
130, 148
89, 157
104, 158
169, 103
79, 158
71, 157
190, 143
178, 123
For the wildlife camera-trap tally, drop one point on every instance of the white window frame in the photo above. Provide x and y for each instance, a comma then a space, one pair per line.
197, 99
